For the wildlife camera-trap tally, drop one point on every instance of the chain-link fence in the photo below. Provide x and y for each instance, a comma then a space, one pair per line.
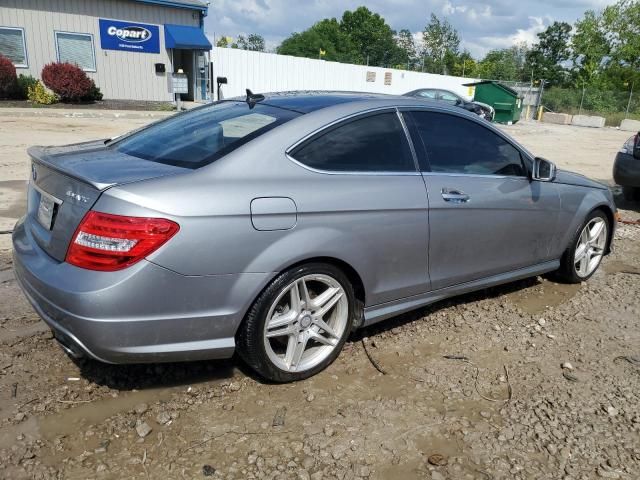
613, 105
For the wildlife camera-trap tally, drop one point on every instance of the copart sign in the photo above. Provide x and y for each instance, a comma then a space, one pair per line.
129, 36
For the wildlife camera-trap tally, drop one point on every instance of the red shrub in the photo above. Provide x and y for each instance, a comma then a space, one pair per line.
67, 80
8, 76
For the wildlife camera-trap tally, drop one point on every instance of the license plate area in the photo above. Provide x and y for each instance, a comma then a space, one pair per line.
46, 210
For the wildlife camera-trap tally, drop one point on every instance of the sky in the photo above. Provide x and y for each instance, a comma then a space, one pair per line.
482, 25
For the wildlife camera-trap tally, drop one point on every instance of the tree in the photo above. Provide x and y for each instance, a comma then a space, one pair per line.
408, 53
504, 64
223, 42
371, 37
253, 42
621, 22
590, 48
358, 36
439, 39
547, 57
464, 65
326, 35
227, 42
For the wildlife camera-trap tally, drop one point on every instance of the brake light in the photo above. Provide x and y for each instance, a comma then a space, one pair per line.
109, 242
631, 144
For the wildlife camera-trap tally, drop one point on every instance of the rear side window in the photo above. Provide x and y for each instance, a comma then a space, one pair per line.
376, 143
449, 98
432, 94
457, 145
203, 135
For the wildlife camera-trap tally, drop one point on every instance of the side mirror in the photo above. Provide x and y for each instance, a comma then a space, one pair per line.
636, 147
543, 170
458, 101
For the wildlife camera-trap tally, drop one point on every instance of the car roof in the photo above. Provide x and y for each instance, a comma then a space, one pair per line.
307, 101
432, 89
340, 103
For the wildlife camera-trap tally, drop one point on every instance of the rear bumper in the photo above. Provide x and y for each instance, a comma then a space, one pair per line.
626, 170
145, 313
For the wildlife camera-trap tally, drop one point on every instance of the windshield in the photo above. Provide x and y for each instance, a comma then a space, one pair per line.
201, 136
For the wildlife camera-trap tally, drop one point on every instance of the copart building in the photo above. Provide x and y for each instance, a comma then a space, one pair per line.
129, 48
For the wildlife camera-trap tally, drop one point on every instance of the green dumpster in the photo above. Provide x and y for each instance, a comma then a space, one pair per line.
506, 101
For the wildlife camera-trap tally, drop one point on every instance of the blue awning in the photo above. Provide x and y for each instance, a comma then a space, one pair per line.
186, 38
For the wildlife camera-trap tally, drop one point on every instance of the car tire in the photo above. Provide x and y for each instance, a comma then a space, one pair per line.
570, 268
277, 323
631, 194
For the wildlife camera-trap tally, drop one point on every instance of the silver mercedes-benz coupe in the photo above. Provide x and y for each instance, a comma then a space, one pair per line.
277, 224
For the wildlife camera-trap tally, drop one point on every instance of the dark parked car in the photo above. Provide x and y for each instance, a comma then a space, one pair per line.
626, 169
481, 109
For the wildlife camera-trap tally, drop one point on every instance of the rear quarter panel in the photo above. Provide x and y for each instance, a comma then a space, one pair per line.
376, 224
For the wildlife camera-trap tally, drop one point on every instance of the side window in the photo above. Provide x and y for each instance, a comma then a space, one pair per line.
376, 143
457, 145
13, 46
428, 94
448, 97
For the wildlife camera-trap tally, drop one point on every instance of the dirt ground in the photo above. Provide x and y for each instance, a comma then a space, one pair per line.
140, 105
500, 407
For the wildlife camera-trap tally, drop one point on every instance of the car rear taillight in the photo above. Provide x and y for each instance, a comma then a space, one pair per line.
632, 144
109, 242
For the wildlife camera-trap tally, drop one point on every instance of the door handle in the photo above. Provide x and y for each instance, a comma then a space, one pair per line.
454, 196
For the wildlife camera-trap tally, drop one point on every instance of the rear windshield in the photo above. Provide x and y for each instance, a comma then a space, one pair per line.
201, 136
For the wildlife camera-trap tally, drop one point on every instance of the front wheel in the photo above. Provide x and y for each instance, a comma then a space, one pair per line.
299, 324
583, 257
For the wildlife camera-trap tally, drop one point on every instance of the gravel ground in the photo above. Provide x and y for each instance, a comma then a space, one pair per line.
533, 380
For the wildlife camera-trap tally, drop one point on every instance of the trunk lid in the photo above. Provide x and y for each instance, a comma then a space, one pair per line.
67, 181
98, 165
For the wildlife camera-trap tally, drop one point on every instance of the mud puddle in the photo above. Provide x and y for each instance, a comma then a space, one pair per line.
83, 414
80, 415
617, 266
546, 295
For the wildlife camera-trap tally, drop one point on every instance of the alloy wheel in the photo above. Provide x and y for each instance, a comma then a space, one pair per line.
306, 322
591, 246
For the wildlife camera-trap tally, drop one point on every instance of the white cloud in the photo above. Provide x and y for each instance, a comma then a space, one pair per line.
482, 24
449, 9
473, 14
526, 35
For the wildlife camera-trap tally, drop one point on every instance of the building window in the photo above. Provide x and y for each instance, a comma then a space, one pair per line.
76, 48
12, 46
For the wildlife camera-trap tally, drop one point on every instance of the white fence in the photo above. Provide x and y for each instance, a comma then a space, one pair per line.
269, 72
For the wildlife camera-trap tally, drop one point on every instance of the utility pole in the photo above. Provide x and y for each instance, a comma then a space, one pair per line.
539, 106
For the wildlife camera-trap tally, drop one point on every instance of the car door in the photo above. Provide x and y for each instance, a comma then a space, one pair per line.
486, 216
364, 183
